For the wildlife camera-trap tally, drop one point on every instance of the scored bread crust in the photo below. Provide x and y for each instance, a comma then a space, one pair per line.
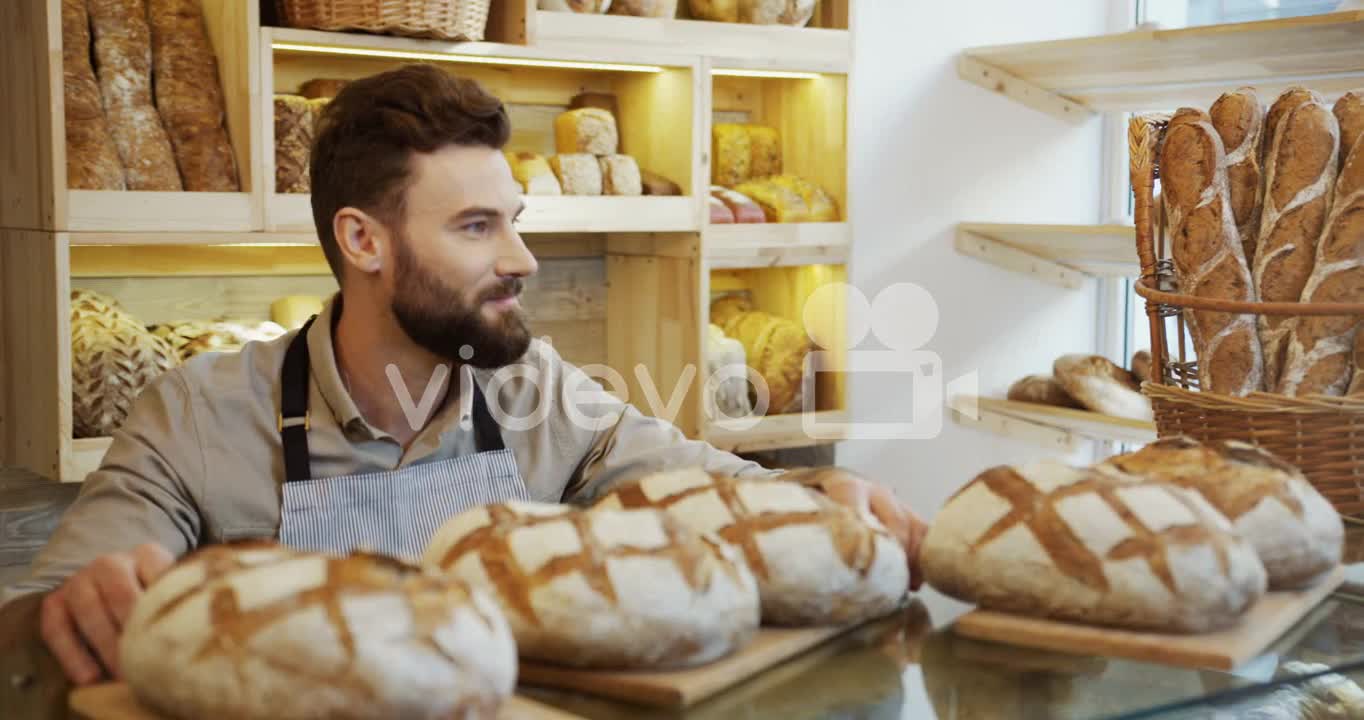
254, 630
816, 562
1101, 385
606, 589
1081, 545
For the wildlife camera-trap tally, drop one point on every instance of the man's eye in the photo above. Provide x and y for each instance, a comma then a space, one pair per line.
477, 228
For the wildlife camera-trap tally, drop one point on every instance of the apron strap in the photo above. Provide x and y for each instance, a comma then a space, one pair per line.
294, 419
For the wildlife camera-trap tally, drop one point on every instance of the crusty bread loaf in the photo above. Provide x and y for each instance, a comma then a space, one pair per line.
819, 206
113, 358
1319, 349
776, 348
1053, 541
1299, 175
779, 202
533, 173
776, 12
743, 207
321, 88
123, 54
1140, 366
714, 10
1357, 374
578, 173
578, 6
1100, 385
92, 161
602, 588
817, 562
1295, 531
189, 96
1349, 112
257, 631
731, 154
588, 130
645, 8
620, 175
1043, 389
1209, 260
1238, 118
293, 143
765, 149
655, 184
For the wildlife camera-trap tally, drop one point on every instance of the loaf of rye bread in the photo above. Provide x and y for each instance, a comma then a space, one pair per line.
1208, 257
92, 161
1300, 171
189, 96
1238, 119
123, 64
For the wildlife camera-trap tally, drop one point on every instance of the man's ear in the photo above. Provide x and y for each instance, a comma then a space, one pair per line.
362, 240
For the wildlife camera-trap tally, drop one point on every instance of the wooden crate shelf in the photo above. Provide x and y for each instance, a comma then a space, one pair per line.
1062, 255
1059, 428
1162, 69
754, 245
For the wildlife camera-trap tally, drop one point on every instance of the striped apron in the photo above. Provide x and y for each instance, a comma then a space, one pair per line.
394, 512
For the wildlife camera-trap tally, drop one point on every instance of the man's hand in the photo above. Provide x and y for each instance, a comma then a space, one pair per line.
864, 496
88, 611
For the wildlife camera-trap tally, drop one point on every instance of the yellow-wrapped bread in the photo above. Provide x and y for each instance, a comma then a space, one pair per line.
586, 130
776, 348
819, 205
765, 146
578, 173
732, 154
779, 203
533, 173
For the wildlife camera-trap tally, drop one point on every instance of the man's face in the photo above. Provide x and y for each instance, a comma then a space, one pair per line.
458, 260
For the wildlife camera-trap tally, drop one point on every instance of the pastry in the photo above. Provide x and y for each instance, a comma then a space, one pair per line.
1080, 545
588, 130
817, 562
1295, 531
92, 161
1043, 389
623, 589
254, 630
1102, 386
1238, 119
620, 175
533, 173
578, 173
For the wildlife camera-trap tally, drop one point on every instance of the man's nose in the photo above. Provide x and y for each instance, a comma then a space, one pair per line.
516, 259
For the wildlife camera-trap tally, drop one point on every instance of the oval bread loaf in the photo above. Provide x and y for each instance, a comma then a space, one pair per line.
256, 630
602, 588
1100, 385
817, 562
1043, 389
1081, 545
1296, 532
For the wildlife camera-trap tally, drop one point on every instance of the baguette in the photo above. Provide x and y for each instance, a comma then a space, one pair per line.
1209, 259
1349, 112
1319, 349
1238, 119
123, 53
189, 96
1299, 175
92, 161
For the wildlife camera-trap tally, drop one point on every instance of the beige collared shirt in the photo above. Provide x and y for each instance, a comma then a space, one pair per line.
199, 459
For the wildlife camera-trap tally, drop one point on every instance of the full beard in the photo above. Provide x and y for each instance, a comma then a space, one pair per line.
437, 318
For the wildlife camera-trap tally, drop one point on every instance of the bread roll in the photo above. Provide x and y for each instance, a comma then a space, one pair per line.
92, 161
645, 8
743, 207
1295, 531
586, 130
731, 154
779, 202
255, 630
1043, 389
578, 173
293, 143
1102, 386
817, 562
796, 13
620, 175
321, 88
1052, 541
655, 184
189, 96
714, 10
533, 173
1208, 257
765, 149
123, 64
1141, 366
602, 588
1299, 175
1238, 118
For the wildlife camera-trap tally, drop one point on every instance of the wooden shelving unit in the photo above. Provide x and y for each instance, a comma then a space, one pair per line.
1064, 255
624, 281
1161, 69
1060, 428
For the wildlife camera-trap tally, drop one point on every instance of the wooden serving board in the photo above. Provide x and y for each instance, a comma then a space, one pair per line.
1228, 649
682, 688
115, 701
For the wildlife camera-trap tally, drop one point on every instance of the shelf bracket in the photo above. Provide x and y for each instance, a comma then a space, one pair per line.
1018, 429
1021, 91
1011, 258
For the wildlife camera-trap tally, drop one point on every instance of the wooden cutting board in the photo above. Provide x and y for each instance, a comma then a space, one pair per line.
115, 701
1228, 649
682, 688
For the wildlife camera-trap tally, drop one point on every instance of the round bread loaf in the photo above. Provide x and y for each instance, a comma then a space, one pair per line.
602, 588
1102, 386
256, 630
816, 561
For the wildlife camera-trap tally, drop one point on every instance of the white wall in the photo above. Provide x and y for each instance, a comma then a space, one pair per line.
931, 150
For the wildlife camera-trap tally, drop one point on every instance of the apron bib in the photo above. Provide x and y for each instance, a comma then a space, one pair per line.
394, 512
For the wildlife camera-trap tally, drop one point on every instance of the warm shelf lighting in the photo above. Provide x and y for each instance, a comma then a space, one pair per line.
473, 59
785, 74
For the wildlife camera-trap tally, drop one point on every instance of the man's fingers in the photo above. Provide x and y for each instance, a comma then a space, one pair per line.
118, 585
891, 514
152, 560
94, 621
60, 635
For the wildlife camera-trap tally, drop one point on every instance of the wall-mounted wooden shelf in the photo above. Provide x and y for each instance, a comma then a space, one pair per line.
1059, 428
775, 432
1064, 255
751, 245
1163, 69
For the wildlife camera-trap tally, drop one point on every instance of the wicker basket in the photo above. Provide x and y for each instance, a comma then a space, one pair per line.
459, 20
1321, 435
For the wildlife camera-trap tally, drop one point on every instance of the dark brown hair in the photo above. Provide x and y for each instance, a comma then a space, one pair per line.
367, 134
